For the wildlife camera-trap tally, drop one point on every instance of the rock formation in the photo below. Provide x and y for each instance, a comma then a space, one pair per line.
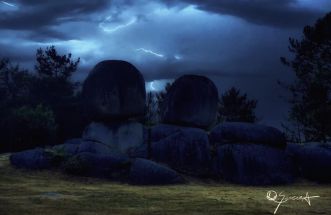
192, 101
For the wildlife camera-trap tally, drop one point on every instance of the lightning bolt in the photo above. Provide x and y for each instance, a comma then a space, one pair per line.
150, 52
178, 57
152, 86
8, 4
116, 28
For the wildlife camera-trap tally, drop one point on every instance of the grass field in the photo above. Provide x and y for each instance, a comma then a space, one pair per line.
48, 193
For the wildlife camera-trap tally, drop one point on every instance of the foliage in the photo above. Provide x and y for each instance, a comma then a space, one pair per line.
14, 84
160, 97
23, 124
54, 72
27, 127
53, 86
151, 114
51, 64
311, 91
234, 107
154, 104
36, 118
27, 97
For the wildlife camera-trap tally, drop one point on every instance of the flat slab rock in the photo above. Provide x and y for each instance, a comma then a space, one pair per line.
32, 159
233, 132
251, 164
146, 172
111, 165
184, 149
313, 160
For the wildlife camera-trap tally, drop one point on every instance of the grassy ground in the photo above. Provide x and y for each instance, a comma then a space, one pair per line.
25, 192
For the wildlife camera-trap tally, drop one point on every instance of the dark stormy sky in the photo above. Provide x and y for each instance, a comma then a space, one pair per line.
233, 42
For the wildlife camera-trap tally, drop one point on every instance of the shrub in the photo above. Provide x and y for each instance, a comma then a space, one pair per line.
28, 127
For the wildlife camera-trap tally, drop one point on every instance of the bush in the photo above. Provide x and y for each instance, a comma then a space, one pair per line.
236, 107
27, 127
24, 123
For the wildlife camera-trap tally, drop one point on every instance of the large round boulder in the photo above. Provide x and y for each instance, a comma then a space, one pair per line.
241, 132
187, 150
146, 172
252, 164
114, 90
191, 101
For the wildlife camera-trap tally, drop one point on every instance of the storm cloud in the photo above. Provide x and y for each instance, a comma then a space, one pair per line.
280, 13
233, 42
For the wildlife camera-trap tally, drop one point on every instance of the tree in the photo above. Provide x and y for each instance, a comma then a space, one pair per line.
27, 127
39, 108
54, 73
311, 91
22, 125
160, 98
14, 84
234, 107
151, 115
53, 87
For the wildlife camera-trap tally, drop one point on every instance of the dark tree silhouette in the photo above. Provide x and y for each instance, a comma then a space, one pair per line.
55, 88
311, 91
22, 125
14, 84
54, 72
234, 107
39, 108
151, 114
154, 103
160, 97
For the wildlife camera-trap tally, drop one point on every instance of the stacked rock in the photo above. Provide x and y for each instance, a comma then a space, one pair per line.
114, 144
114, 94
114, 98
